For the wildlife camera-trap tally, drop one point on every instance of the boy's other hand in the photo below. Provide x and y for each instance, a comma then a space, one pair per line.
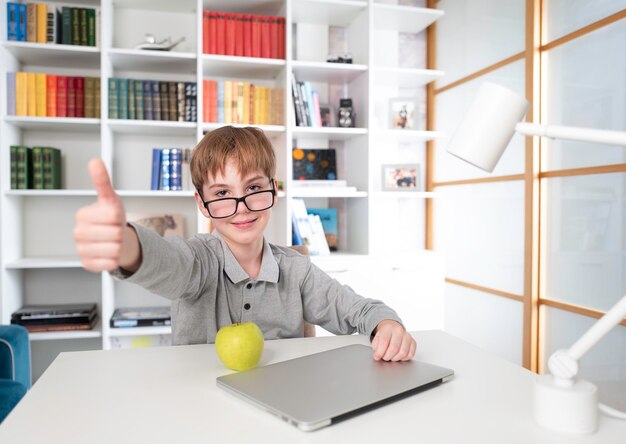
392, 342
99, 229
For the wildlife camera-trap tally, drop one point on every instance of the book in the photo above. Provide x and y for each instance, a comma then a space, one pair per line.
61, 96
122, 98
12, 12
71, 96
23, 167
148, 112
96, 93
302, 228
163, 224
312, 163
51, 25
41, 106
51, 95
21, 94
139, 100
319, 237
90, 96
79, 97
42, 17
141, 317
11, 91
165, 170
328, 218
66, 25
21, 22
38, 168
75, 21
31, 94
31, 22
51, 168
176, 163
55, 312
13, 160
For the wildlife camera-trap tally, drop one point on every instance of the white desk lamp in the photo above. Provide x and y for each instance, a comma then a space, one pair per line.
561, 402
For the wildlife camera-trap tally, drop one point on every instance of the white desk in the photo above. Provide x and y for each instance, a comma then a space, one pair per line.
169, 395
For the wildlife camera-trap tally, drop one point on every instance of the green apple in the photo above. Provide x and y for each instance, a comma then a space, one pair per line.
239, 346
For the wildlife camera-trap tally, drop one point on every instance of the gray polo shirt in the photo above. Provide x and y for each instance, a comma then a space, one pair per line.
209, 289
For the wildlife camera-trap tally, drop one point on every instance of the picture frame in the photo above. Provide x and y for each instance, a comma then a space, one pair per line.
403, 112
400, 177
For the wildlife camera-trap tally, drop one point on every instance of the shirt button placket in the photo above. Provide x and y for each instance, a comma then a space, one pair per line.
248, 294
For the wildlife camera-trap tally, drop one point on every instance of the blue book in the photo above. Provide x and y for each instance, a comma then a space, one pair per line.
309, 104
220, 101
147, 100
176, 170
12, 21
329, 223
296, 239
156, 169
10, 93
165, 169
21, 22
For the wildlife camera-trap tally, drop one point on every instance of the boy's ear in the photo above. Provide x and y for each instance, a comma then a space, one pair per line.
203, 210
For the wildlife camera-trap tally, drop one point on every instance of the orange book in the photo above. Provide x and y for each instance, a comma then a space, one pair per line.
228, 101
21, 94
206, 99
281, 38
231, 32
247, 35
31, 106
42, 20
213, 115
256, 36
273, 37
239, 34
212, 32
265, 37
51, 99
205, 32
41, 106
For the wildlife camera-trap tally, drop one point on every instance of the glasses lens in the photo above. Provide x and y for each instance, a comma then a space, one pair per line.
222, 208
259, 201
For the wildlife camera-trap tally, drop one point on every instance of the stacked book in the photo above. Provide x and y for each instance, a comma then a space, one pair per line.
306, 104
43, 318
152, 100
243, 35
37, 168
52, 23
141, 317
49, 95
226, 101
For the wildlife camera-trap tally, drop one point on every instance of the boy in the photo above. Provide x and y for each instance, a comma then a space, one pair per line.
234, 274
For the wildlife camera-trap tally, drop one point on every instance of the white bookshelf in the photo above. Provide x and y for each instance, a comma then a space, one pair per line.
36, 225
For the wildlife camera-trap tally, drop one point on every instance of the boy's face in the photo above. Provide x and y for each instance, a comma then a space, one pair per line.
245, 227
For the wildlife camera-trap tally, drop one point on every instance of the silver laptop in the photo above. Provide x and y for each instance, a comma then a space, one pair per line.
314, 391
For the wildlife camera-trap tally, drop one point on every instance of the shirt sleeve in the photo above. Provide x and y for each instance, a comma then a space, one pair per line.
338, 308
169, 266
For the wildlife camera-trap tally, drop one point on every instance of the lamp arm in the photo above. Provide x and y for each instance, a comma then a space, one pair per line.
572, 133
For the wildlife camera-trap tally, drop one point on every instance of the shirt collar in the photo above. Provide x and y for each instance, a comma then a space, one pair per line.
269, 267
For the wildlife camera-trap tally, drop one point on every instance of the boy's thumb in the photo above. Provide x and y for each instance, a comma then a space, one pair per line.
101, 181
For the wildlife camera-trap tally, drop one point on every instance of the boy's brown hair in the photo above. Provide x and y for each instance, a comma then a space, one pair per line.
248, 147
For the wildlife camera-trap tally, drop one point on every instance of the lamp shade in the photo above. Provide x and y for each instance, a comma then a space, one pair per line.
488, 126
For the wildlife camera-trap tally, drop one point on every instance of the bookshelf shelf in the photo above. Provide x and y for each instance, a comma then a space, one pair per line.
96, 332
153, 61
407, 135
149, 193
327, 12
400, 18
405, 77
50, 193
406, 194
54, 123
271, 131
152, 127
246, 68
329, 133
44, 262
140, 331
328, 72
54, 55
325, 192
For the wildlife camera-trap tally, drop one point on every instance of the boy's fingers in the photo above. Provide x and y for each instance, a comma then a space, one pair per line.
411, 351
381, 346
393, 348
101, 181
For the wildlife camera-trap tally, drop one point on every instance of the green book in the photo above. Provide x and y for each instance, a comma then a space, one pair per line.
13, 167
90, 108
38, 167
139, 99
122, 97
75, 26
96, 95
131, 99
91, 27
51, 168
66, 28
113, 99
84, 39
24, 168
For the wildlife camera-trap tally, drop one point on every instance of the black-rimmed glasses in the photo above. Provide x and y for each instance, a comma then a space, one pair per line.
226, 207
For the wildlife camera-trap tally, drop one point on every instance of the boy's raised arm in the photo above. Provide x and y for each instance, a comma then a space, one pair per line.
103, 239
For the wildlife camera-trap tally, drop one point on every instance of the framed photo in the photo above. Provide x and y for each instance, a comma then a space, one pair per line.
403, 111
400, 177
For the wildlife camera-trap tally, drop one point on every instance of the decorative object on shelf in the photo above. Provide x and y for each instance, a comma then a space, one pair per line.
345, 58
320, 164
400, 177
346, 115
403, 111
163, 224
326, 116
150, 43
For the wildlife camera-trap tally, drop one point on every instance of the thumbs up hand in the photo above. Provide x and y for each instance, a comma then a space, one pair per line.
103, 240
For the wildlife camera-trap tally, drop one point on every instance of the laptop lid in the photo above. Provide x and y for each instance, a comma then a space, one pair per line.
314, 391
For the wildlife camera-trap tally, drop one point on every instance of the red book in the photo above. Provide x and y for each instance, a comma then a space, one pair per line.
231, 33
71, 96
206, 100
205, 32
265, 37
212, 33
247, 35
51, 93
273, 37
80, 97
239, 39
220, 31
61, 96
256, 36
281, 38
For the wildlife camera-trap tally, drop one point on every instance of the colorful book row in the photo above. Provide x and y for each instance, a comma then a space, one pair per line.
37, 168
244, 35
49, 95
170, 169
47, 23
152, 100
233, 102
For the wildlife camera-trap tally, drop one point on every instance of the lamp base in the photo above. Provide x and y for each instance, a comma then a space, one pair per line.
566, 409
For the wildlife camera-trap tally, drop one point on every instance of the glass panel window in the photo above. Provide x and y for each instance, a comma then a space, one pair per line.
480, 229
586, 87
474, 34
586, 239
565, 16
